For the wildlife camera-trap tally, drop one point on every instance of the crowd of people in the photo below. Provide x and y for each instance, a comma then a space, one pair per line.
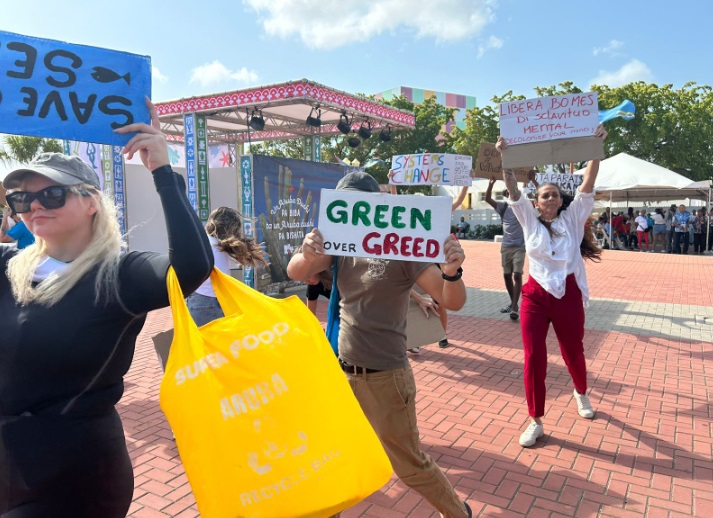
72, 304
671, 230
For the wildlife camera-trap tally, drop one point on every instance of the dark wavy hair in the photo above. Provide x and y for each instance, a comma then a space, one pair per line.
588, 247
226, 225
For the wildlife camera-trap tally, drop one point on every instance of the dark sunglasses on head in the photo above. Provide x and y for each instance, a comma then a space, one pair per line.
53, 197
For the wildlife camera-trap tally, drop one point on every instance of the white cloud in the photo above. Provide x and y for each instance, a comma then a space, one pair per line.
157, 76
610, 48
492, 42
217, 73
634, 70
327, 25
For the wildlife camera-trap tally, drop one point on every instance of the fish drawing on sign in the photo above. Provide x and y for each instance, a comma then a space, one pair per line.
106, 75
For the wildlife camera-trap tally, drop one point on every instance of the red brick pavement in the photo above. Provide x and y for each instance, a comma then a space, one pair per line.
675, 279
647, 453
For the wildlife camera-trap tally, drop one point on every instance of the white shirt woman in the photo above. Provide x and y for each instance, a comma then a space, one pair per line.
557, 239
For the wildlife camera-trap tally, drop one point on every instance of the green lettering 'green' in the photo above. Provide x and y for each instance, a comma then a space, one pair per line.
423, 217
396, 217
379, 216
360, 211
339, 216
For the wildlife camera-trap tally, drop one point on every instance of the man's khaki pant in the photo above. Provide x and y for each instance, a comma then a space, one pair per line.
388, 399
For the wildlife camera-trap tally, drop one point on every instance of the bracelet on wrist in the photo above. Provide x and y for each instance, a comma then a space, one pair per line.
453, 278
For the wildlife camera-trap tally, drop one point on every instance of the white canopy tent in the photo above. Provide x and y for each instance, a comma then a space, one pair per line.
626, 178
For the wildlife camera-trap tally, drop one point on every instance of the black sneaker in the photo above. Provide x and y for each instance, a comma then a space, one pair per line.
443, 343
467, 508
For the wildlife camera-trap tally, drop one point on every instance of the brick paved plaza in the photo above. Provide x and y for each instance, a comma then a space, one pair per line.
648, 452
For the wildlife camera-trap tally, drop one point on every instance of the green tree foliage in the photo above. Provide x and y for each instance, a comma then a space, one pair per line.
481, 125
672, 128
23, 149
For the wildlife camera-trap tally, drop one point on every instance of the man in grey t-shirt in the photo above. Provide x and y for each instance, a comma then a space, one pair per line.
512, 251
374, 304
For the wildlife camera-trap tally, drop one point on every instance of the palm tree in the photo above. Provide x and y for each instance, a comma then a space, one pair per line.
24, 149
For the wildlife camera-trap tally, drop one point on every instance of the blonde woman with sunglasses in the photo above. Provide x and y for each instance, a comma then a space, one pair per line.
71, 307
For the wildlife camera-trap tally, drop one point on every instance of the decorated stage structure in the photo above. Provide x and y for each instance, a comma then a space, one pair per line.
209, 143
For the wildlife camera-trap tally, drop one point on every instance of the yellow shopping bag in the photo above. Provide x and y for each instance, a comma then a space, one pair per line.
264, 418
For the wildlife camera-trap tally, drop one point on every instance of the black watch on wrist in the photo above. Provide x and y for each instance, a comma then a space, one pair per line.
453, 278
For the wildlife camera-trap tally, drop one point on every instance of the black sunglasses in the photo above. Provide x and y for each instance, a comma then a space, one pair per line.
53, 197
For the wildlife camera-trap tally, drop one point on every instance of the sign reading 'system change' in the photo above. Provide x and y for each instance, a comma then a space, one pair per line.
549, 118
431, 169
384, 226
73, 92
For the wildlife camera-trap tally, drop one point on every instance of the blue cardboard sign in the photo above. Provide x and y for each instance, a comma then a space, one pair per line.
58, 90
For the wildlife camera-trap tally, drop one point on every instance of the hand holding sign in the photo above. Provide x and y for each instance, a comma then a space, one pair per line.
407, 228
313, 246
149, 141
425, 303
454, 256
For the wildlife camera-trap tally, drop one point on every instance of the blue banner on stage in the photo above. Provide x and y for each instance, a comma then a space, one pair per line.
285, 202
59, 90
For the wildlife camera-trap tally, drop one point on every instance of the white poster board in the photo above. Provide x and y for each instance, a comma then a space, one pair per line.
384, 226
431, 169
549, 118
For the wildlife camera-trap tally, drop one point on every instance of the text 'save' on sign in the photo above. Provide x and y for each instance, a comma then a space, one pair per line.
550, 130
384, 226
74, 92
431, 169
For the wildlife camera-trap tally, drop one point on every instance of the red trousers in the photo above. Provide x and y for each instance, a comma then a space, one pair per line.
643, 236
537, 310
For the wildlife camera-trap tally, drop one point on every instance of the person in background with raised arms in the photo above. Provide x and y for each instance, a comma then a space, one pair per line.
512, 248
372, 345
557, 240
71, 307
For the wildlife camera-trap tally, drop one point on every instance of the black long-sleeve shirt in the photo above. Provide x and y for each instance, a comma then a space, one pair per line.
70, 359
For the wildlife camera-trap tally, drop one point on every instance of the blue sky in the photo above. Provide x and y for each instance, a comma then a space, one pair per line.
473, 47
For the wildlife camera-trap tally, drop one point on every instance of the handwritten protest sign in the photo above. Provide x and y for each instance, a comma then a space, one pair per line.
550, 130
489, 164
549, 118
383, 226
431, 169
74, 92
567, 182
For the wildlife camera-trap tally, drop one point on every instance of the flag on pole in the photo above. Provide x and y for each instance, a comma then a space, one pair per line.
625, 110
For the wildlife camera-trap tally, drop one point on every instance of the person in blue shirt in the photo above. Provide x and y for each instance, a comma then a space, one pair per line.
681, 220
19, 232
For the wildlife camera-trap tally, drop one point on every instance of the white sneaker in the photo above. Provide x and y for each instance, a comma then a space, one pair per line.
531, 434
584, 407
414, 350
